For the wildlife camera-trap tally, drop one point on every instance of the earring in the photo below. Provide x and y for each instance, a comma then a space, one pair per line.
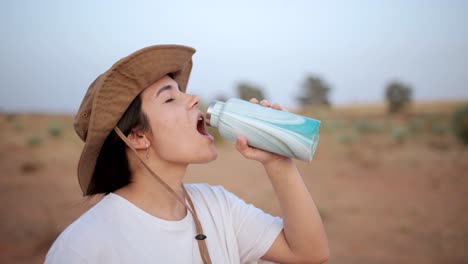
146, 155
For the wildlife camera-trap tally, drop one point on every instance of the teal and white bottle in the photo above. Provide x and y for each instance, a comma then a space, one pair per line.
276, 131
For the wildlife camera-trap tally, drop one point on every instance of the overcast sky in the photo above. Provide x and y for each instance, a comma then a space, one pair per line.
50, 51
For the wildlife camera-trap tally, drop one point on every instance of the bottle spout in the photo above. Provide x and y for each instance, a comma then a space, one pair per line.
212, 113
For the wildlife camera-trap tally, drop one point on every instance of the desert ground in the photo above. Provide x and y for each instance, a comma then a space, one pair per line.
390, 189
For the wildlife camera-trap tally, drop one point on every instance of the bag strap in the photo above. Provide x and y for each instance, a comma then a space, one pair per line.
200, 237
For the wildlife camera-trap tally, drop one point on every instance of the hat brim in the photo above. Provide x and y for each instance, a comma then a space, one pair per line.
115, 90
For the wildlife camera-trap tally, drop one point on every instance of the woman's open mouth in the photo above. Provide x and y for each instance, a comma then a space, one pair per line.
201, 125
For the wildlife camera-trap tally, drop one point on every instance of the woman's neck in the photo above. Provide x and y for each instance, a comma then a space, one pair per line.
150, 195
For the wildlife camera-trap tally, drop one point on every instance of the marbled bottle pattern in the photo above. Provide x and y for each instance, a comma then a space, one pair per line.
280, 132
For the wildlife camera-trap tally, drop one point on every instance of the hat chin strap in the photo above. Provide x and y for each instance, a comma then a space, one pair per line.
200, 237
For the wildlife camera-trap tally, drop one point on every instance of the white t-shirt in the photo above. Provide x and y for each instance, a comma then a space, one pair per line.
117, 231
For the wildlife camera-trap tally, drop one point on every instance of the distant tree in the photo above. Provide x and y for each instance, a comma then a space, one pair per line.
460, 123
316, 92
247, 91
398, 95
221, 97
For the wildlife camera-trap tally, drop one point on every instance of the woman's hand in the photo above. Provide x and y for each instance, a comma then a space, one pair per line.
262, 156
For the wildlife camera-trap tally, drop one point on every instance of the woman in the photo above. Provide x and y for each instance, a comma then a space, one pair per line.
141, 131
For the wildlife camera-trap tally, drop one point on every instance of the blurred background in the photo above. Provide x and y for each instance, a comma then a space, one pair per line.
388, 80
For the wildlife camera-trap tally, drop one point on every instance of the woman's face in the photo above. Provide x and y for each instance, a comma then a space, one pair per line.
177, 125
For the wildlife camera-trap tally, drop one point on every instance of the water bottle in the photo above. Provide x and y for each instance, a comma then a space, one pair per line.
265, 128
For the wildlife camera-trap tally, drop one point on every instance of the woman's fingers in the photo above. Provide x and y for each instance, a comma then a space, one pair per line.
244, 149
254, 153
241, 143
267, 104
262, 102
279, 107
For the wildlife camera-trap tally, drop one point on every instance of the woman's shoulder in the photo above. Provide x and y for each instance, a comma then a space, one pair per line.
91, 225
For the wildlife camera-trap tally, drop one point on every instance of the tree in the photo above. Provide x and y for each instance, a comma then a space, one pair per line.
247, 91
221, 97
398, 95
316, 92
460, 123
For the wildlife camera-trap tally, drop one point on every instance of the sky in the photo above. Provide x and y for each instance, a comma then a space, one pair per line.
51, 50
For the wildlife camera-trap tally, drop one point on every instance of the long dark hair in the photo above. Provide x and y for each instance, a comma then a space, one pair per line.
112, 170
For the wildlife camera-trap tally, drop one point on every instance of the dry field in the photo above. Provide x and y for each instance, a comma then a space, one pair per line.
389, 189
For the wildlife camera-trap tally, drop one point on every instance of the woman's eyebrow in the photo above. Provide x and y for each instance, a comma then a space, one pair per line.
164, 88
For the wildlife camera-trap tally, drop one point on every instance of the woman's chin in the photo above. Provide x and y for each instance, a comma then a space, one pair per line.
213, 157
208, 157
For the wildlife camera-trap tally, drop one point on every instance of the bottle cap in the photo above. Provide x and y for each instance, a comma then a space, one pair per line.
209, 110
212, 113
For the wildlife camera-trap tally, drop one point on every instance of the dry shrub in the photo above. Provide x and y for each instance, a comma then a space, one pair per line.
30, 166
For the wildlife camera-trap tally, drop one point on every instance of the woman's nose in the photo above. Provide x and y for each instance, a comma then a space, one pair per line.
194, 101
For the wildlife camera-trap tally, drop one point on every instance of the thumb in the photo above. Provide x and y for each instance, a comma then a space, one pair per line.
241, 144
245, 149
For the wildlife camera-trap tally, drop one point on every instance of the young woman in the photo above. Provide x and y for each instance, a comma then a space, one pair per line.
141, 131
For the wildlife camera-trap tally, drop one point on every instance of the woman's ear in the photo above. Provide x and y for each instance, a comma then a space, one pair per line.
138, 140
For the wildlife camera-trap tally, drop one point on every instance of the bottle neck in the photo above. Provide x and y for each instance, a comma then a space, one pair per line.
213, 112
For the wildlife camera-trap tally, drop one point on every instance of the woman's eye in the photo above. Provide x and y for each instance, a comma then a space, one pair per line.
169, 100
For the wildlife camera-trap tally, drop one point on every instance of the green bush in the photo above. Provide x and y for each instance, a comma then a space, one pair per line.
34, 141
362, 126
460, 123
399, 134
439, 128
416, 125
332, 125
378, 127
55, 130
10, 117
346, 139
18, 126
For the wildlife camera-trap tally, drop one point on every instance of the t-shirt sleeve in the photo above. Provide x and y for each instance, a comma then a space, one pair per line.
255, 230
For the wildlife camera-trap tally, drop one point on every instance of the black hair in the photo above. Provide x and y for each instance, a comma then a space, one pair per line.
112, 170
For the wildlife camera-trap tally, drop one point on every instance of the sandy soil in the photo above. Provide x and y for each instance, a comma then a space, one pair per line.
381, 201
